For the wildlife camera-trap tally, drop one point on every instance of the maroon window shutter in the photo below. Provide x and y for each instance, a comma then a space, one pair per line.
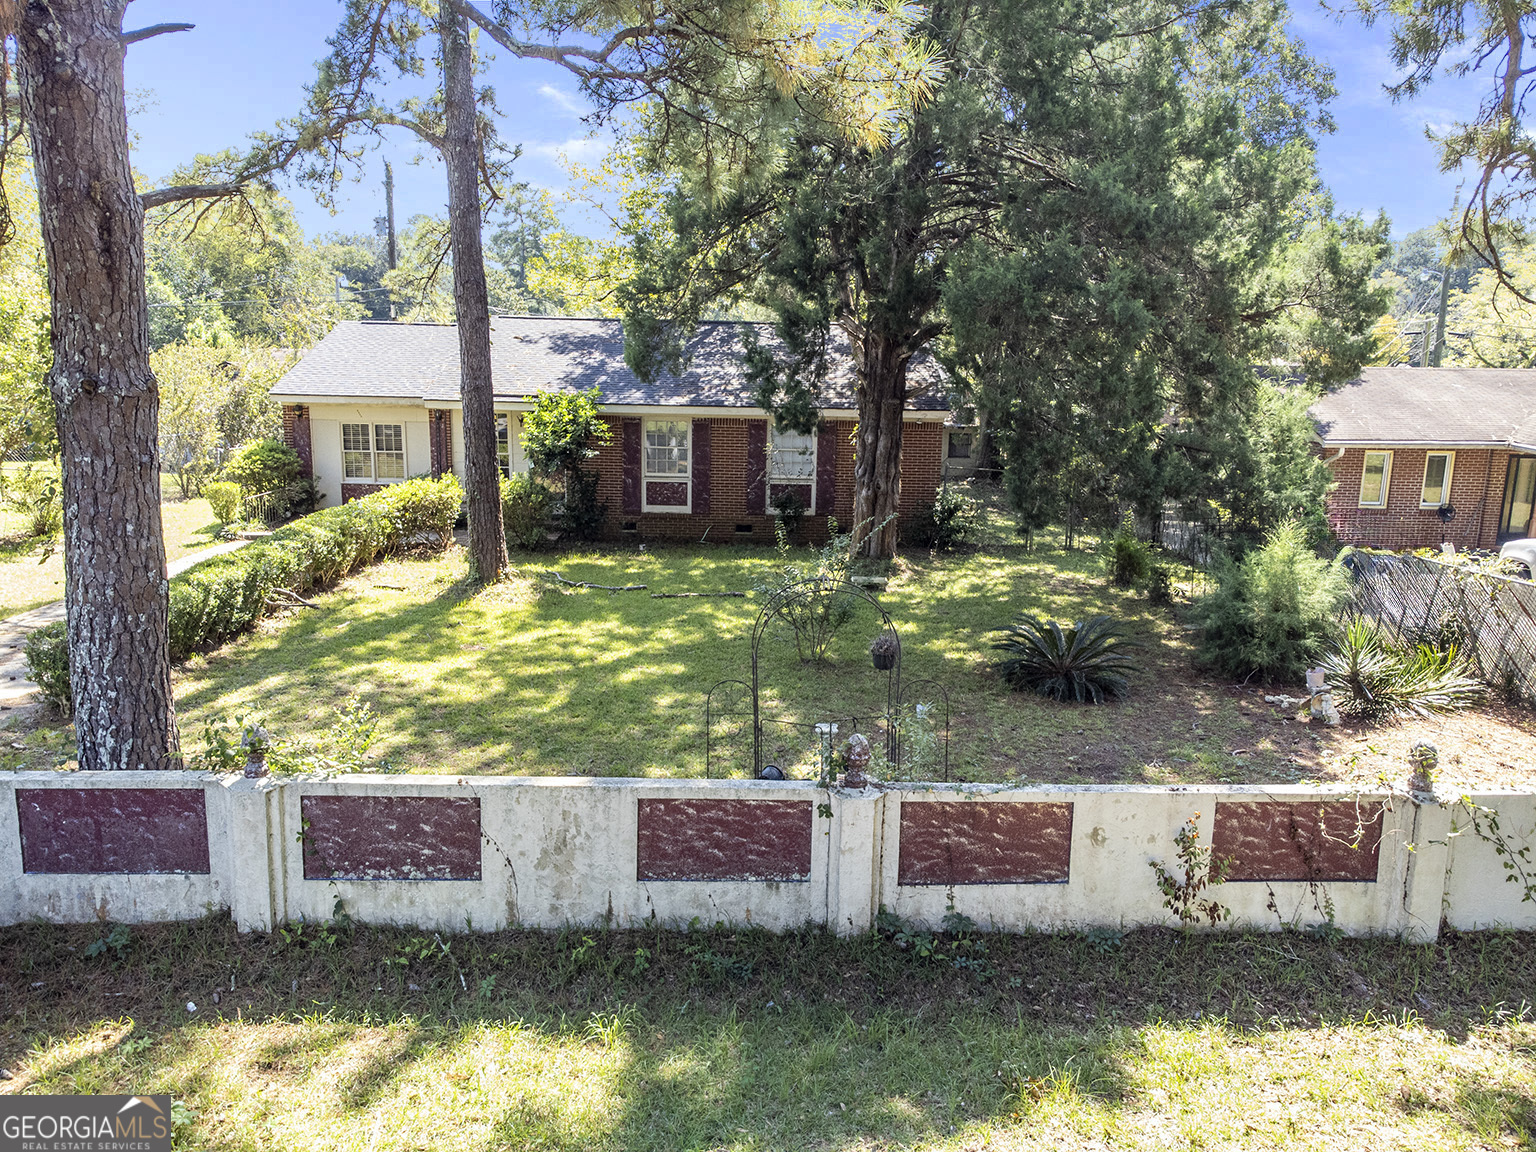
629, 439
826, 470
757, 467
701, 447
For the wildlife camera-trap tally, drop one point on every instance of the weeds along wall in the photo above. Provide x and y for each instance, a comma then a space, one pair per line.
489, 852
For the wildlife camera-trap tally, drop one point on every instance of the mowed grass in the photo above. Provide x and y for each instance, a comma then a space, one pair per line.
27, 580
347, 1037
534, 677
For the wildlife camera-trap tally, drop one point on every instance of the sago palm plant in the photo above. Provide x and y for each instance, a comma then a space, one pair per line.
1085, 661
1373, 680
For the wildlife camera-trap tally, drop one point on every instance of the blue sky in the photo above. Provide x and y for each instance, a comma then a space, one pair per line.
245, 66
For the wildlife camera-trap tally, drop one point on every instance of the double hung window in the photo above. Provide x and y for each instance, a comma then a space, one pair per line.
373, 451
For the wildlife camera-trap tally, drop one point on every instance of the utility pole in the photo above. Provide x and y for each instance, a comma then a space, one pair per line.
1438, 347
389, 210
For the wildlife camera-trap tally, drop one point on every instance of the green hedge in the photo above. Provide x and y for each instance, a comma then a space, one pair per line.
222, 597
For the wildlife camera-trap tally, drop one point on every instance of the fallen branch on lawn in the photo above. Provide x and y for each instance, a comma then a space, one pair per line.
686, 595
589, 584
295, 596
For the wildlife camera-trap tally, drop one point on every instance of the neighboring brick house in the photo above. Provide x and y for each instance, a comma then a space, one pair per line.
376, 402
1428, 456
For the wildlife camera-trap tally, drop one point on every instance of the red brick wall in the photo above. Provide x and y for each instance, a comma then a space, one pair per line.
358, 491
921, 459
1477, 494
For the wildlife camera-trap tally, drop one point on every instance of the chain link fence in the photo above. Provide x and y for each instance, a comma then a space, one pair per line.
1490, 619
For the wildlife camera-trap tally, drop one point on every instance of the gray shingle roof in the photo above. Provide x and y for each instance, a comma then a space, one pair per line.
420, 362
1469, 406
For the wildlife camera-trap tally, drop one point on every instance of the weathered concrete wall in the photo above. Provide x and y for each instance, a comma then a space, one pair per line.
488, 852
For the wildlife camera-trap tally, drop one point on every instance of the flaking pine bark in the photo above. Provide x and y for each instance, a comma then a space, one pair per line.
71, 76
461, 156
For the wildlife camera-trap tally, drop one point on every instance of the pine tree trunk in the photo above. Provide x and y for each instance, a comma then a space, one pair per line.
877, 450
461, 156
107, 400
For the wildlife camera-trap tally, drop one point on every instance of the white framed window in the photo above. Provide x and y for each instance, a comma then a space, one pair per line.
960, 445
667, 470
504, 443
373, 452
1437, 479
1375, 479
792, 465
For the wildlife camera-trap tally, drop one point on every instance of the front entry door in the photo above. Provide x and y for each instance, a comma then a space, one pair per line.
1519, 497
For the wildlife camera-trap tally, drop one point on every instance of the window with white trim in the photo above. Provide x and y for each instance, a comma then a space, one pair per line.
504, 443
373, 452
791, 456
1437, 479
1375, 479
666, 449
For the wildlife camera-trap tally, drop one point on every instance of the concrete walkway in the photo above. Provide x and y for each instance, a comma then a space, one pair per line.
17, 692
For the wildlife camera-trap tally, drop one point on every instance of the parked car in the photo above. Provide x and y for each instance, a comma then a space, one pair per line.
1523, 553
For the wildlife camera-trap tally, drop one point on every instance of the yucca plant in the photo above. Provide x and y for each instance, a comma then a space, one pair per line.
1085, 661
1373, 680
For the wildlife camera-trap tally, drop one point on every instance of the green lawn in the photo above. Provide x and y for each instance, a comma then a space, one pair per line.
27, 580
347, 1037
533, 678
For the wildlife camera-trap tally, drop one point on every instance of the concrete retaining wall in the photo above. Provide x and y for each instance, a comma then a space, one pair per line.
488, 852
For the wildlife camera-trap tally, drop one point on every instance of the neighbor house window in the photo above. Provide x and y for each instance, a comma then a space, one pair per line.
960, 445
1437, 479
666, 448
373, 452
1375, 479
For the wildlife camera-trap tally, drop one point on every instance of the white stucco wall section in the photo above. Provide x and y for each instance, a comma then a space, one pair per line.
325, 421
563, 851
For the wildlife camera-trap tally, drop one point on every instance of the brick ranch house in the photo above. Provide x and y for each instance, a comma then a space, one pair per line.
1427, 456
376, 402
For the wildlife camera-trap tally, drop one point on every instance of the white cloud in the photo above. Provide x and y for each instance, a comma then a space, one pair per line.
581, 148
564, 100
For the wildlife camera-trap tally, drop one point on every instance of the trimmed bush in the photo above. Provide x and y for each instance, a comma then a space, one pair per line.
525, 506
47, 653
224, 596
224, 497
263, 465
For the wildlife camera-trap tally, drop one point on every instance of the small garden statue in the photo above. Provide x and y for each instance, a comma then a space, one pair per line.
856, 757
255, 740
1424, 760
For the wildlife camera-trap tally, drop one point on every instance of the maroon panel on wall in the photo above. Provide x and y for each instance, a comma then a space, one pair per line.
1308, 840
139, 830
391, 837
826, 470
778, 491
303, 441
666, 494
757, 467
971, 842
701, 448
629, 443
724, 840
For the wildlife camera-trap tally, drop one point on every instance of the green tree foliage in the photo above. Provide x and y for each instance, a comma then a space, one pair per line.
244, 274
27, 416
213, 397
1459, 38
1274, 612
1124, 247
563, 431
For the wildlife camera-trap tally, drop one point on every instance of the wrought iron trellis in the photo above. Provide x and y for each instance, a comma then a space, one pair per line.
778, 604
